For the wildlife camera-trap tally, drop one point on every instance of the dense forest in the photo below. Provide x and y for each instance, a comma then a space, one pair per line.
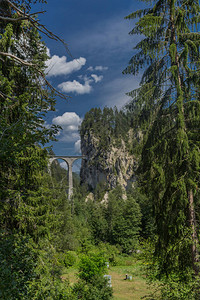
154, 216
107, 125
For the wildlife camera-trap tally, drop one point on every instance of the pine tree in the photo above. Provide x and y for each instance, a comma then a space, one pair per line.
24, 102
27, 204
124, 220
166, 107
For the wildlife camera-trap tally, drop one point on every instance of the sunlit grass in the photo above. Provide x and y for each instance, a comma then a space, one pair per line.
123, 289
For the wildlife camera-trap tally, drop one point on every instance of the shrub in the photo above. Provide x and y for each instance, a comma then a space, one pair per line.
92, 285
69, 259
91, 266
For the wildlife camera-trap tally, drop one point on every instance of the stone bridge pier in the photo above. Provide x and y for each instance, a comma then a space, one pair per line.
69, 160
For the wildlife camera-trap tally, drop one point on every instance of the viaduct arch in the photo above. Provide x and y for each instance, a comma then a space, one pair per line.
69, 160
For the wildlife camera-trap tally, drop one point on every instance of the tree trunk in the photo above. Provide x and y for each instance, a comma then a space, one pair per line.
192, 220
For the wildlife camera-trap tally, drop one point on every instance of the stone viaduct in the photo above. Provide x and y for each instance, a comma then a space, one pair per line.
69, 160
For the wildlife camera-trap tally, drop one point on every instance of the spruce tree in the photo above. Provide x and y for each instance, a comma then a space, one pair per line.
24, 102
167, 109
28, 215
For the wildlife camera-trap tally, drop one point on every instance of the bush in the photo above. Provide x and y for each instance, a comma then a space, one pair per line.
97, 289
69, 259
91, 266
92, 285
111, 252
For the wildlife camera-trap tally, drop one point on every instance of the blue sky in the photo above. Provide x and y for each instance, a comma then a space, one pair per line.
97, 35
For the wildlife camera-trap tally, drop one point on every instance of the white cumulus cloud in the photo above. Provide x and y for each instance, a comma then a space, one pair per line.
60, 66
76, 87
70, 123
97, 78
64, 165
77, 147
97, 68
79, 88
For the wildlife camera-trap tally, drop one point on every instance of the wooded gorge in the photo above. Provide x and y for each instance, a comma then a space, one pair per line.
137, 196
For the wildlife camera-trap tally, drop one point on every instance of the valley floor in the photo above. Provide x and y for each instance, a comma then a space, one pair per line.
123, 289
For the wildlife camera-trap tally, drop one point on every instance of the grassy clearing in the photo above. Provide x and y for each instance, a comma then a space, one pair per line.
123, 289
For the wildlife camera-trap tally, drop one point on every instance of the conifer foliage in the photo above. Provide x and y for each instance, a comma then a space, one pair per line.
167, 109
27, 213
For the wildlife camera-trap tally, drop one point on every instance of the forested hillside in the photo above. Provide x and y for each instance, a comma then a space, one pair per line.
107, 142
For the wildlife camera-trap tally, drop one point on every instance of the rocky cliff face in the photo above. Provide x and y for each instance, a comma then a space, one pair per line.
110, 165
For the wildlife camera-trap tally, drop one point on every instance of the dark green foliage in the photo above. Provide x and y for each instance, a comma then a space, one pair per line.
92, 285
24, 102
176, 289
69, 258
124, 220
148, 228
17, 266
102, 134
97, 221
30, 211
27, 272
108, 126
166, 109
47, 283
100, 189
90, 266
59, 174
116, 222
98, 289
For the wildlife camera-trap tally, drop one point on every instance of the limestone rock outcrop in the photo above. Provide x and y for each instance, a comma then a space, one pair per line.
108, 166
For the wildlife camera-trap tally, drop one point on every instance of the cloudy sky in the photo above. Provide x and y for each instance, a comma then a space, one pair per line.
97, 36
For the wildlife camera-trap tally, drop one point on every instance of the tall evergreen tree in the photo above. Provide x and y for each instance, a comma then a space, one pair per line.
27, 212
167, 108
24, 102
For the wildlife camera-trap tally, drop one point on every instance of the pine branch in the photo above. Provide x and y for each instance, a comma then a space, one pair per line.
40, 27
34, 66
8, 19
